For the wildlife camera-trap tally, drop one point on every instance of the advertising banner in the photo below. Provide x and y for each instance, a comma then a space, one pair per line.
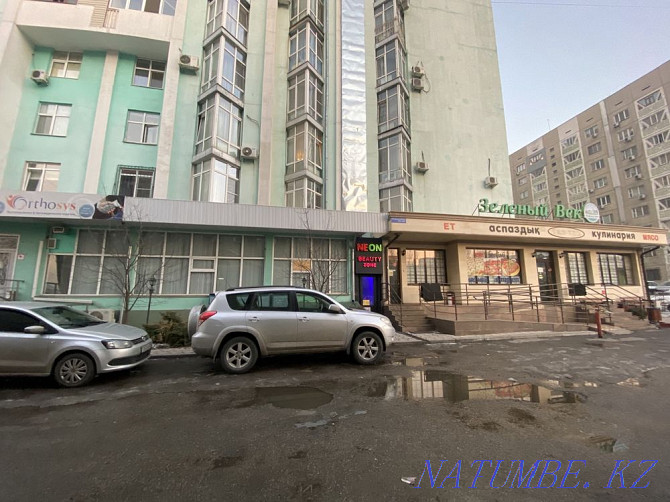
61, 205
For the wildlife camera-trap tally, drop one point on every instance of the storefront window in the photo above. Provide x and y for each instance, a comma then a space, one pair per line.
615, 269
576, 264
493, 266
425, 265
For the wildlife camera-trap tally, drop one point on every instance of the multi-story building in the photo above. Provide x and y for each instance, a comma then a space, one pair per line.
248, 141
615, 154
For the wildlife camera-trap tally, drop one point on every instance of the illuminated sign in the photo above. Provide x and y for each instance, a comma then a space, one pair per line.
558, 212
368, 255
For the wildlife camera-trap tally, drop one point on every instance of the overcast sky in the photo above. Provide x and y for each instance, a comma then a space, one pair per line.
559, 57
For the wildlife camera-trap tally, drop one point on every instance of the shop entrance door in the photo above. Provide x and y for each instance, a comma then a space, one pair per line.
546, 274
393, 274
7, 257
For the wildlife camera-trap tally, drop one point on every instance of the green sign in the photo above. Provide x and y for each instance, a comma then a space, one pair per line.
559, 211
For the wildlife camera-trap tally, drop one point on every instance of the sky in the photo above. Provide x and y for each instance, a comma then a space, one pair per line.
559, 57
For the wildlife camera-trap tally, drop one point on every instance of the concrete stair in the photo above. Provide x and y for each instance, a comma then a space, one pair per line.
626, 320
409, 318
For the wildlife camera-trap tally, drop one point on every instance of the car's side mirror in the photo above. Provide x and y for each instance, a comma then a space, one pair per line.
35, 330
334, 309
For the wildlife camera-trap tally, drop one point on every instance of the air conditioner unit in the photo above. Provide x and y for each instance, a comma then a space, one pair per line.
52, 243
422, 166
249, 153
403, 4
57, 230
632, 157
417, 84
643, 196
104, 314
418, 71
628, 139
638, 176
40, 77
490, 181
189, 63
591, 190
594, 135
616, 124
284, 3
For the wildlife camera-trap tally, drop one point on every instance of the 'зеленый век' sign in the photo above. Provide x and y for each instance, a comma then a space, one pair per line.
589, 212
368, 255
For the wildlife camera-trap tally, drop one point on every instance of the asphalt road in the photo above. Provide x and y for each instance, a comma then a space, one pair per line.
320, 428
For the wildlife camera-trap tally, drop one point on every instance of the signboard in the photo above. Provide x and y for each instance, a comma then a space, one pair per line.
591, 212
368, 255
61, 205
558, 212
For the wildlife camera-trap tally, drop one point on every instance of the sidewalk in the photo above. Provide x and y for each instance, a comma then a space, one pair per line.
403, 338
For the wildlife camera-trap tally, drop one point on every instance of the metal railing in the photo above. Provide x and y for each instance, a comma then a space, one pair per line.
391, 297
9, 289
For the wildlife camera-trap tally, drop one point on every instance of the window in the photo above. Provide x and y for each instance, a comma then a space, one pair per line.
568, 142
664, 204
649, 100
142, 127
640, 211
275, 301
136, 182
576, 266
391, 62
657, 139
398, 198
238, 301
66, 64
305, 96
215, 181
626, 135
53, 119
607, 218
13, 321
603, 201
660, 160
536, 158
149, 73
394, 159
595, 148
600, 183
523, 181
573, 156
629, 153
166, 7
302, 8
306, 45
635, 192
540, 187
653, 274
214, 16
654, 119
322, 263
304, 149
662, 182
304, 192
598, 164
633, 172
615, 269
387, 23
310, 302
591, 132
233, 78
425, 265
574, 173
621, 116
493, 266
524, 194
237, 20
520, 168
392, 108
219, 126
41, 177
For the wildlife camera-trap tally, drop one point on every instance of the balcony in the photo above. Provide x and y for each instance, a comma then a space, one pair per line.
651, 130
75, 26
389, 29
654, 107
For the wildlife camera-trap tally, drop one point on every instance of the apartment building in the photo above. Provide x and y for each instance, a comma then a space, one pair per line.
615, 154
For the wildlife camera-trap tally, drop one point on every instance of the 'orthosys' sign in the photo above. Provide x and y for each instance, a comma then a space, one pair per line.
558, 212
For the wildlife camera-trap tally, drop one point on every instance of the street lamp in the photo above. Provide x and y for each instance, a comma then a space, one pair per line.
152, 283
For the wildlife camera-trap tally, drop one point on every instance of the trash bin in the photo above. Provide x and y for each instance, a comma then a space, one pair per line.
451, 298
654, 314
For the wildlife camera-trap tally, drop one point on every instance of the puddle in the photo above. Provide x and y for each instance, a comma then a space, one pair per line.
456, 387
297, 398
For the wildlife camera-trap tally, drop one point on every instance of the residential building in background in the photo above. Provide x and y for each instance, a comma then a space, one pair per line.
247, 140
615, 154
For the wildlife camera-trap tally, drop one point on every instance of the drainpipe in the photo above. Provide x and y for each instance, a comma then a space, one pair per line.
644, 270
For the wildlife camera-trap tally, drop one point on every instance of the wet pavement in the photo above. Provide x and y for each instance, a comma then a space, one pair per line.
318, 427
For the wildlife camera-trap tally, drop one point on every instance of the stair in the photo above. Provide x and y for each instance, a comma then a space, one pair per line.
409, 318
626, 320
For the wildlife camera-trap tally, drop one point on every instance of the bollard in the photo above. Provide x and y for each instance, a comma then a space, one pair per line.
599, 324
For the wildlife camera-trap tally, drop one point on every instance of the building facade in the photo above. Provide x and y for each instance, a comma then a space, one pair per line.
616, 154
334, 113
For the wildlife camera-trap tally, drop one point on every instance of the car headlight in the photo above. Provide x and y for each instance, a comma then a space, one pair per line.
385, 320
117, 344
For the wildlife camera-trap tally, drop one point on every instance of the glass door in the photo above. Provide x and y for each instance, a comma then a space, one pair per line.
393, 274
546, 274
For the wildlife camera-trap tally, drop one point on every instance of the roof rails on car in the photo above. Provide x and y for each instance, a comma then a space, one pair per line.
274, 286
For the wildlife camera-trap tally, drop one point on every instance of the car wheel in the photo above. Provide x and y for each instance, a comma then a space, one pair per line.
367, 348
238, 355
74, 370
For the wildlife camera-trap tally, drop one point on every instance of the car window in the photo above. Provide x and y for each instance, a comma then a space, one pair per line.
308, 302
276, 300
66, 317
15, 322
238, 301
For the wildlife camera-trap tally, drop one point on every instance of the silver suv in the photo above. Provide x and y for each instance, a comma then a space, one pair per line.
244, 323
